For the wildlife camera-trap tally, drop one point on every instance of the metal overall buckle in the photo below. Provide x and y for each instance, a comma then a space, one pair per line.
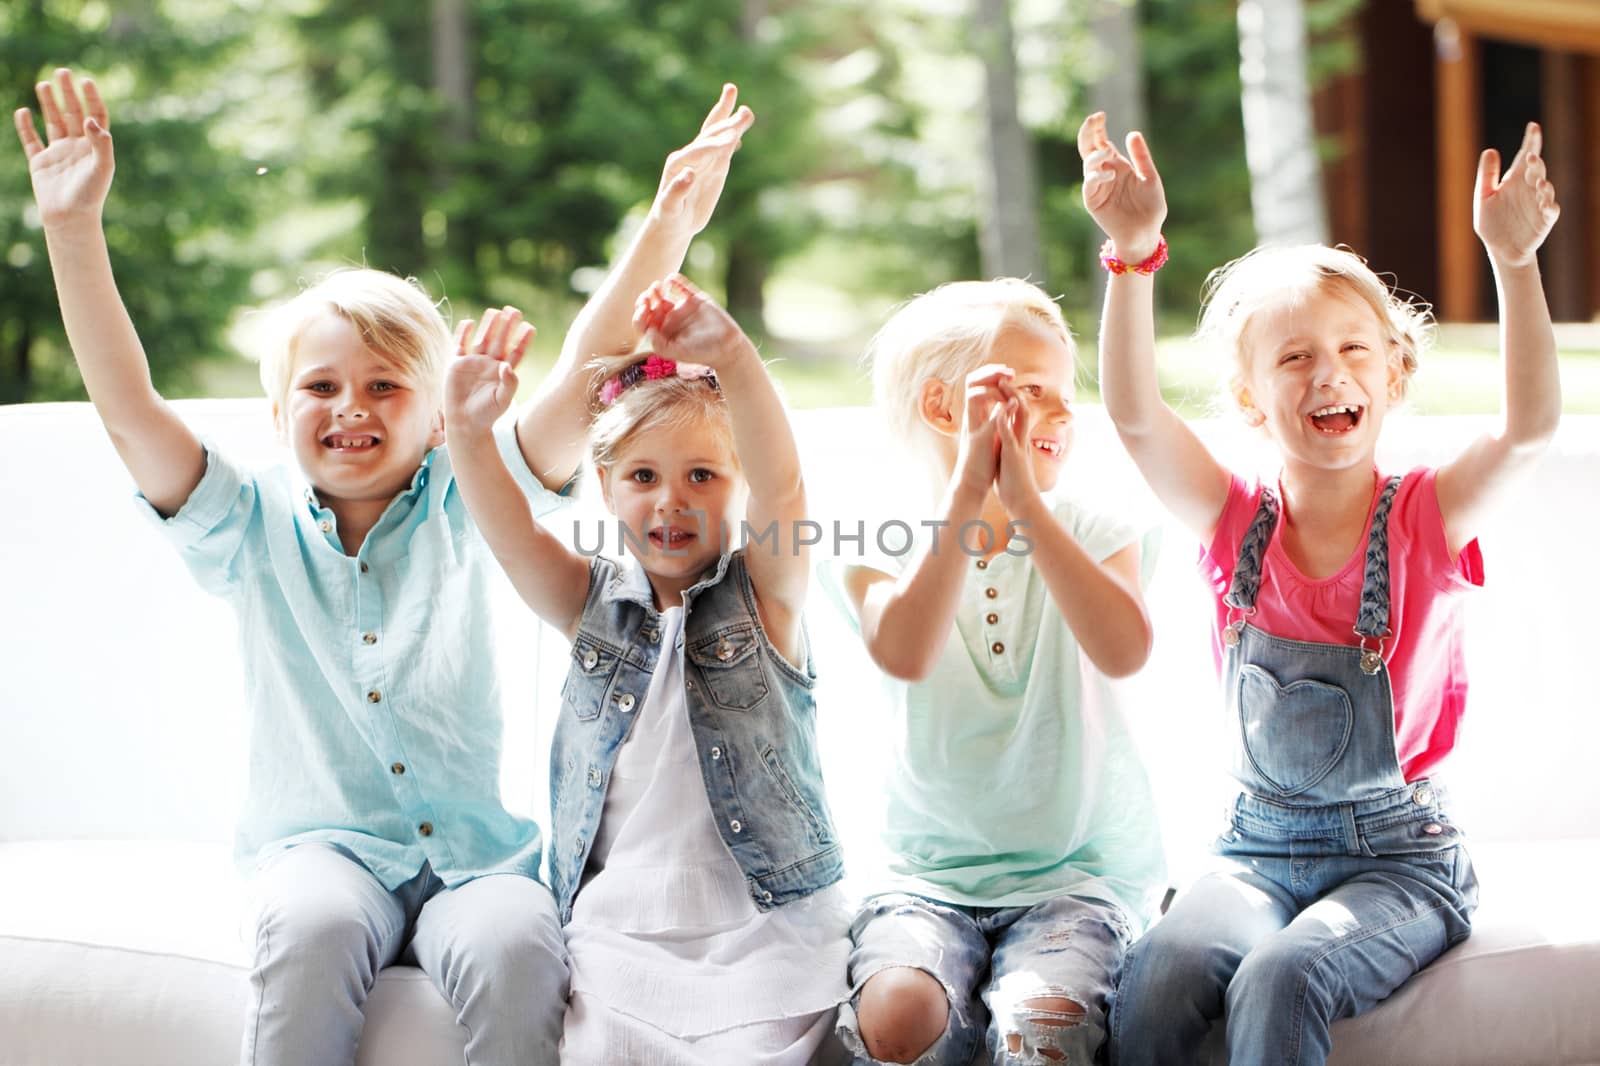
1230, 632
1371, 658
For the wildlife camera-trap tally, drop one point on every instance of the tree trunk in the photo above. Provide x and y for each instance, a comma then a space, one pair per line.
453, 82
1118, 90
746, 281
1008, 228
1280, 140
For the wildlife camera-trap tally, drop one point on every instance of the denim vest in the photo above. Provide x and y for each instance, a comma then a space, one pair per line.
752, 715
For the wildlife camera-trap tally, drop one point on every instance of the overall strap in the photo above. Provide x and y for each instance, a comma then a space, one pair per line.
1247, 571
1373, 619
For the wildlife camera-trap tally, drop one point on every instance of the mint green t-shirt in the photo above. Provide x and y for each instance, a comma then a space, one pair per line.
1014, 778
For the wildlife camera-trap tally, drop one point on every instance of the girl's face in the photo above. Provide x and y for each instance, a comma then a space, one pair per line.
1042, 364
1320, 374
679, 491
358, 425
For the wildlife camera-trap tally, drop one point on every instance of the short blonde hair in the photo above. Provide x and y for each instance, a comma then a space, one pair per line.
670, 402
946, 334
394, 316
1236, 291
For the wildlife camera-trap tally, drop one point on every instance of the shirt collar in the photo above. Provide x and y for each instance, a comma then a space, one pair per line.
633, 584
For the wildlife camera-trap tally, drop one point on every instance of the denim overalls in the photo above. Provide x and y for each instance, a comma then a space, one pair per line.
1345, 878
752, 715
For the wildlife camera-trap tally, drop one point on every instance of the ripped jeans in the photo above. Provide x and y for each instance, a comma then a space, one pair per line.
1067, 947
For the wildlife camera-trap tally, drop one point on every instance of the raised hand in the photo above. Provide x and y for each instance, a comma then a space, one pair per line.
978, 455
71, 175
1123, 193
482, 380
1514, 214
693, 176
682, 323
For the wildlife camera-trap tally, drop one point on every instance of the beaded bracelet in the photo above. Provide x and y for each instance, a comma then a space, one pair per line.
1154, 262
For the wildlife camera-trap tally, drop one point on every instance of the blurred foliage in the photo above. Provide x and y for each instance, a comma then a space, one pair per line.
259, 144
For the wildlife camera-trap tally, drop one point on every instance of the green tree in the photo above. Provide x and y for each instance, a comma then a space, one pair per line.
180, 191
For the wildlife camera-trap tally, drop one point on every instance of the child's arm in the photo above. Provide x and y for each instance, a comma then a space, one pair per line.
553, 426
550, 577
70, 180
693, 328
1125, 197
1099, 600
1513, 216
906, 621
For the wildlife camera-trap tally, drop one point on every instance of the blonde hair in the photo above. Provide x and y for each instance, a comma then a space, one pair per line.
393, 315
670, 402
946, 334
1236, 291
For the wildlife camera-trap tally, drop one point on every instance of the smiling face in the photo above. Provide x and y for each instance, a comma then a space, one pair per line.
675, 487
1044, 371
359, 425
1320, 374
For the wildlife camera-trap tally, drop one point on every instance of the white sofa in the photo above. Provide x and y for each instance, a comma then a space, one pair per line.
121, 761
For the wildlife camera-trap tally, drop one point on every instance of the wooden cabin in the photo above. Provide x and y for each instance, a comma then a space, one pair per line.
1437, 81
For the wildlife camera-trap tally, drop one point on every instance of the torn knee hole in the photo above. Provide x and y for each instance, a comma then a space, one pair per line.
1041, 1020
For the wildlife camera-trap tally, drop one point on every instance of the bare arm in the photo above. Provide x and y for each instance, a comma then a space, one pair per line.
1512, 216
550, 577
906, 622
1124, 195
694, 328
70, 180
554, 425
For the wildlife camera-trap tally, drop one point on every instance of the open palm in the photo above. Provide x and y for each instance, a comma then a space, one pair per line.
72, 174
694, 175
1123, 193
1513, 215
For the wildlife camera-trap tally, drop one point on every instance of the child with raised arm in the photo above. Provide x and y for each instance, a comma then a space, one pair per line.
373, 817
692, 854
1338, 627
1023, 848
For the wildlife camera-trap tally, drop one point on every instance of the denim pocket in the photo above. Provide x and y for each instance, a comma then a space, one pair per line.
1292, 734
786, 785
730, 668
593, 666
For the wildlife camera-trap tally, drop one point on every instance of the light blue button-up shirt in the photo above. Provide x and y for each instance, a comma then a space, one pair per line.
370, 679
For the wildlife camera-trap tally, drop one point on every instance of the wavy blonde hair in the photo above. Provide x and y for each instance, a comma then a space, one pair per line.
1237, 290
394, 316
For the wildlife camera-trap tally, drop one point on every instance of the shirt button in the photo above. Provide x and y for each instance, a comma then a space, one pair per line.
426, 829
325, 525
716, 753
766, 897
983, 564
991, 618
735, 826
724, 650
1423, 796
594, 777
1433, 829
363, 566
397, 768
369, 638
374, 696
651, 635
589, 659
991, 593
625, 701
998, 648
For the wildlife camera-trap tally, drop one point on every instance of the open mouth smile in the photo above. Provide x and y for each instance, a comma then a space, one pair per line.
1337, 418
349, 442
670, 537
1050, 447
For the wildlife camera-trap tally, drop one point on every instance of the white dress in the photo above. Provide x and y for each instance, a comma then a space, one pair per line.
672, 963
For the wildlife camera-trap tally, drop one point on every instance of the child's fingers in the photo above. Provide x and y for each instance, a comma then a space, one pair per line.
72, 106
55, 127
1144, 163
521, 337
722, 108
1532, 143
26, 133
96, 105
1488, 172
464, 334
1092, 134
495, 333
677, 188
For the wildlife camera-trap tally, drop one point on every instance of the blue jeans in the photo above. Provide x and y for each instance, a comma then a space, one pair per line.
326, 926
1065, 947
1324, 912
